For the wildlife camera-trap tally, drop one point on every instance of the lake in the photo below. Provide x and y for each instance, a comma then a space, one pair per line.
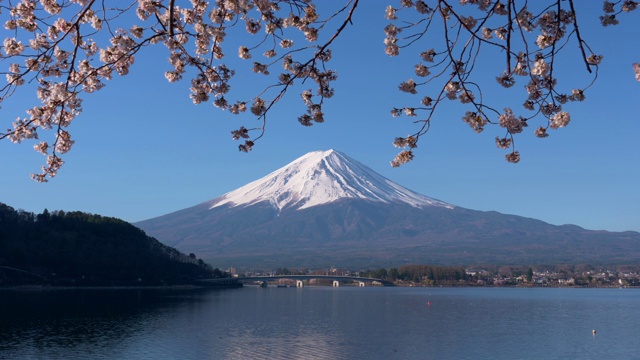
321, 323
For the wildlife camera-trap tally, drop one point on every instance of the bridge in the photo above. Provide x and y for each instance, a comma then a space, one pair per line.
263, 280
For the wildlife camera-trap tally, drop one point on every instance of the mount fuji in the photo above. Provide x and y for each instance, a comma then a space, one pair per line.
326, 209
322, 177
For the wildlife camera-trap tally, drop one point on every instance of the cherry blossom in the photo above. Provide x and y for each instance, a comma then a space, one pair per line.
63, 50
531, 42
66, 49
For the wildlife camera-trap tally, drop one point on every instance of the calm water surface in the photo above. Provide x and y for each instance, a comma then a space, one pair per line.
321, 323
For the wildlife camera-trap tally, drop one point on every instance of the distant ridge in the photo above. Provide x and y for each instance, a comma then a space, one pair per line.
326, 209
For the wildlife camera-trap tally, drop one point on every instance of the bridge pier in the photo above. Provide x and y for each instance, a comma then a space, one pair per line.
361, 283
299, 283
336, 283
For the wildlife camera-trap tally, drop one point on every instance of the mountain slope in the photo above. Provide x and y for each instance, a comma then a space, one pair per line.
321, 177
326, 209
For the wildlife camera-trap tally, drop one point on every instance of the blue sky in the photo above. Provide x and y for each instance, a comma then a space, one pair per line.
143, 149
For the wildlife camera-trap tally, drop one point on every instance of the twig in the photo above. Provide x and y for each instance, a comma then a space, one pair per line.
575, 24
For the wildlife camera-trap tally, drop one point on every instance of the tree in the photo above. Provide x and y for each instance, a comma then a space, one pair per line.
45, 216
63, 49
392, 274
88, 249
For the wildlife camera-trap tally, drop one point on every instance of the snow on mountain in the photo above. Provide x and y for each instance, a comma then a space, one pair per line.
322, 177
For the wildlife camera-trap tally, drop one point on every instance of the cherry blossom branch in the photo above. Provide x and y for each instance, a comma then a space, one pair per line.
543, 96
580, 41
48, 48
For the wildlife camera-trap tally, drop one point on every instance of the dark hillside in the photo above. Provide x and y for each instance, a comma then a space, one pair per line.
77, 248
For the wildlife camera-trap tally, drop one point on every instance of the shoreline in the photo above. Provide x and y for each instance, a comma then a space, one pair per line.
222, 285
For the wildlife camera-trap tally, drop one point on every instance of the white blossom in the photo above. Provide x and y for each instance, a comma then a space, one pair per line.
286, 43
607, 20
428, 55
422, 70
13, 47
476, 121
410, 111
629, 5
541, 132
402, 158
42, 147
500, 8
545, 40
422, 7
594, 59
258, 107
390, 13
487, 33
501, 33
408, 86
506, 80
466, 97
503, 143
513, 157
391, 30
512, 123
559, 120
468, 21
391, 47
577, 95
608, 7
427, 101
243, 52
406, 3
540, 68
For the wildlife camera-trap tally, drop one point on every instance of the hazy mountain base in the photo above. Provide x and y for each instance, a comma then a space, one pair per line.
364, 234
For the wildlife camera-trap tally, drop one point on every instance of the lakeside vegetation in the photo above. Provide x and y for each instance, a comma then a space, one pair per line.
582, 275
569, 275
80, 249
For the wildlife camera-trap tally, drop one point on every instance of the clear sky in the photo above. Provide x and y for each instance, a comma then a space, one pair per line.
144, 150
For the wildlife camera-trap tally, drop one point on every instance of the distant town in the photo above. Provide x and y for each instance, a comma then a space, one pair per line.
498, 276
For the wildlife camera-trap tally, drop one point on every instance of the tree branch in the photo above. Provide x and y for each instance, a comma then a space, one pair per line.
575, 24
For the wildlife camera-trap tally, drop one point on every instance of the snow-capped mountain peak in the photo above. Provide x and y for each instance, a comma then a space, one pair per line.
322, 177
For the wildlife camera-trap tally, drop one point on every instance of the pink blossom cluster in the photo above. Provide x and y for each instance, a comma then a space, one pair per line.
530, 37
63, 49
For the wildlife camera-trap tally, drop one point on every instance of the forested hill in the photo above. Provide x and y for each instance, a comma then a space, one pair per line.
81, 249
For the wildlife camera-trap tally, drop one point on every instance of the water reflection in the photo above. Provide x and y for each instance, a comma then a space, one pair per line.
78, 323
319, 323
288, 324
